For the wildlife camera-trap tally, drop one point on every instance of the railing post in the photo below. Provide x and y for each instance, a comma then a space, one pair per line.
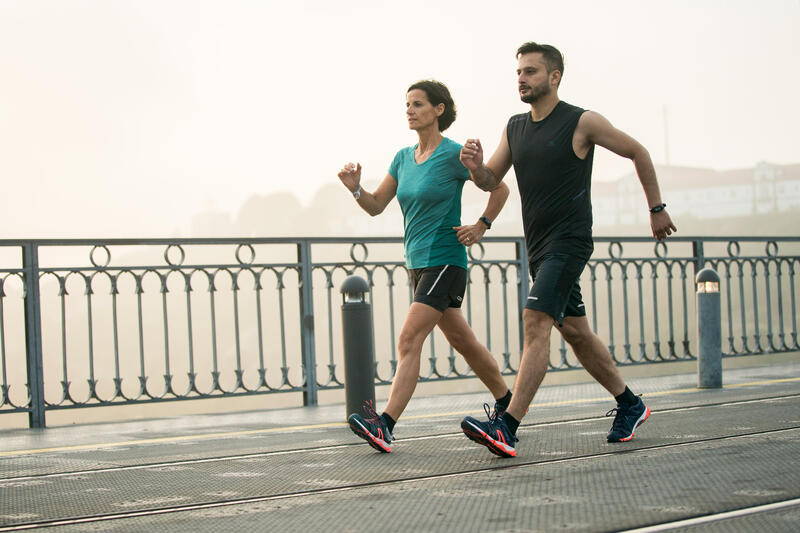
359, 344
699, 257
709, 330
307, 323
33, 335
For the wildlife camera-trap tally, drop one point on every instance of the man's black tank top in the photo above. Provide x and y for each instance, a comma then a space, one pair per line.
554, 183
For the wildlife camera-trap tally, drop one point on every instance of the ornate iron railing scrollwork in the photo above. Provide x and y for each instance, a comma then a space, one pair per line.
136, 321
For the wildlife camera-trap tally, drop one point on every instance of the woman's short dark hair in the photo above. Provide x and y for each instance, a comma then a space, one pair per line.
438, 93
552, 57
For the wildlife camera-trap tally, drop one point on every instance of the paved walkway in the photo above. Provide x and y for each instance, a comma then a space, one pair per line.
706, 460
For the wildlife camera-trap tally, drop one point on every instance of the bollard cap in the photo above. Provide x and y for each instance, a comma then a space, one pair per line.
354, 288
707, 274
707, 280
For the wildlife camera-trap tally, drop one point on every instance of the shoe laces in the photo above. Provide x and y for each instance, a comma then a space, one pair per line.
496, 416
372, 414
492, 413
619, 419
374, 418
619, 412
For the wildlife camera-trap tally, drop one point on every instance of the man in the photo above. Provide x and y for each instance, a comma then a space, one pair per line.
551, 148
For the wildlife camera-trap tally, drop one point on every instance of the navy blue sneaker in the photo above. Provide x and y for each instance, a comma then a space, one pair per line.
372, 429
493, 434
626, 420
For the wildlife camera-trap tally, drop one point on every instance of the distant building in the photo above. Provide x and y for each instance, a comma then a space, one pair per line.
702, 193
698, 192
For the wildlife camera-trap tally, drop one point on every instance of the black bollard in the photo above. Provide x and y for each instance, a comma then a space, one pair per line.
709, 330
359, 345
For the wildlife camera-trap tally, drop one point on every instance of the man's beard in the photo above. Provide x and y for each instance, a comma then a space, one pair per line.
535, 94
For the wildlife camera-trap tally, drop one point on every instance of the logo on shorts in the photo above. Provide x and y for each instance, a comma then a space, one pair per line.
533, 297
459, 298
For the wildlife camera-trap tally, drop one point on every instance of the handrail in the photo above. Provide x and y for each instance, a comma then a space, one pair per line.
97, 322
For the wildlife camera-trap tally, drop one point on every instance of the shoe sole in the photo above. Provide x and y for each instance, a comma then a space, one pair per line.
638, 423
476, 434
371, 439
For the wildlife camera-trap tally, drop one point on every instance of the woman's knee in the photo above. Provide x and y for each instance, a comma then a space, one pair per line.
461, 342
457, 331
410, 342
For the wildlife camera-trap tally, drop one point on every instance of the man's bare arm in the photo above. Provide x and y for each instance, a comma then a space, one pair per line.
594, 128
486, 176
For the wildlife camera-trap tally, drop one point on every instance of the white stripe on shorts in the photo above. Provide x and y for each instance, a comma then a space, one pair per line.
437, 280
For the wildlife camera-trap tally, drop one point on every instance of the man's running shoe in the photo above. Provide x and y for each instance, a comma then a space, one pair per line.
372, 429
493, 434
626, 420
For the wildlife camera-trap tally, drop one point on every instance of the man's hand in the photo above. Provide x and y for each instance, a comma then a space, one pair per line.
661, 224
472, 154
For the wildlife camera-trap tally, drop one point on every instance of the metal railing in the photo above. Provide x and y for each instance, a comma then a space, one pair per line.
109, 322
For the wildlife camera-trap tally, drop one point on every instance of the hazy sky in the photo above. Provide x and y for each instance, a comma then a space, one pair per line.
127, 117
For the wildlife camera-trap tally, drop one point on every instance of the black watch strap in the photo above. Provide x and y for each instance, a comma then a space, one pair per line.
658, 208
487, 222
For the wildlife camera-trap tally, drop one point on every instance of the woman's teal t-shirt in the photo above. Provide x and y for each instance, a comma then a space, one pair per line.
429, 194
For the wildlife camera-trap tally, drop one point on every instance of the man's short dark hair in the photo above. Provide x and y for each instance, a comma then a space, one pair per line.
438, 93
552, 57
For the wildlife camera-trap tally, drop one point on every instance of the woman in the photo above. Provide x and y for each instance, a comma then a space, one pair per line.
428, 179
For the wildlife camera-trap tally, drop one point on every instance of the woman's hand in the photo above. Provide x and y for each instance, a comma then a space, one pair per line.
469, 235
350, 176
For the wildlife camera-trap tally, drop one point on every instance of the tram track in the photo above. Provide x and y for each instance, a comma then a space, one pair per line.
312, 449
219, 503
156, 511
715, 517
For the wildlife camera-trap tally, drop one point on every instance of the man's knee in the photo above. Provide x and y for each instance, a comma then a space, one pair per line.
537, 324
576, 332
572, 335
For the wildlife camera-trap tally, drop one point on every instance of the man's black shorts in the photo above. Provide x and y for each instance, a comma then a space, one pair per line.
556, 289
439, 287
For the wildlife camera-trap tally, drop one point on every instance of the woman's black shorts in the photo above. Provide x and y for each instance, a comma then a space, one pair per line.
440, 286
